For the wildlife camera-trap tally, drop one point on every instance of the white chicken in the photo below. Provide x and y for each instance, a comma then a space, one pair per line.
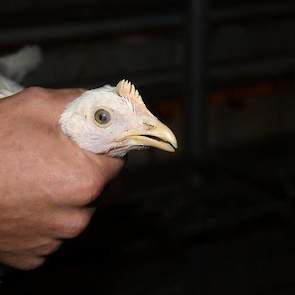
106, 120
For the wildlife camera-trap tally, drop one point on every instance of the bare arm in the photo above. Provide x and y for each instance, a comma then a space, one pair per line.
46, 180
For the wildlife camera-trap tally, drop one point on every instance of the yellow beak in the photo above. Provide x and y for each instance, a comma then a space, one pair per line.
155, 134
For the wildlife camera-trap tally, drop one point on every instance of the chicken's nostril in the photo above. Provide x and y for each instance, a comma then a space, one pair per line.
149, 126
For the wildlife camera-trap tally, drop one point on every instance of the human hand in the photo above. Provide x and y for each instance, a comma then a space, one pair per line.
46, 180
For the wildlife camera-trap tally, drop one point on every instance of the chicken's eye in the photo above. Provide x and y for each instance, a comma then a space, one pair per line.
102, 117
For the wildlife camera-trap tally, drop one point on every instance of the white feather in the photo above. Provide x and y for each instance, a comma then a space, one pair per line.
77, 121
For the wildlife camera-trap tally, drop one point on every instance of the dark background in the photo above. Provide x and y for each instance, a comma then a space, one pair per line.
217, 217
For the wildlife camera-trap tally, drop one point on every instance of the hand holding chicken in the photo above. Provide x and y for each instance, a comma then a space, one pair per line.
50, 169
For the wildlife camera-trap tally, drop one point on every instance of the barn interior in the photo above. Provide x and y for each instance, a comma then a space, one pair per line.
217, 216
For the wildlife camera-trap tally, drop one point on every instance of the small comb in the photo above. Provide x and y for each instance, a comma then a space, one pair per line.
126, 89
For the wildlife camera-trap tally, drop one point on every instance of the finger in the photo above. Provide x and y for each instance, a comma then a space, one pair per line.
61, 97
70, 222
21, 262
106, 167
66, 92
45, 249
44, 99
13, 244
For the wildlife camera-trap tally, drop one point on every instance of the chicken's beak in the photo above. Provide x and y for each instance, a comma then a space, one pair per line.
153, 134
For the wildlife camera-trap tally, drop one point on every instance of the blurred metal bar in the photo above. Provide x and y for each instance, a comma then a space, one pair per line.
73, 30
252, 69
253, 12
197, 130
68, 31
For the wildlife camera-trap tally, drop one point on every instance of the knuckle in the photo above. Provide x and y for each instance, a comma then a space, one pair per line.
74, 226
79, 192
80, 186
89, 188
49, 248
22, 261
30, 263
72, 230
35, 262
